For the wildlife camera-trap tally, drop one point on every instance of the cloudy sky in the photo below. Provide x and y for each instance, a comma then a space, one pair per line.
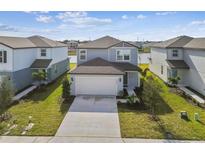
91, 25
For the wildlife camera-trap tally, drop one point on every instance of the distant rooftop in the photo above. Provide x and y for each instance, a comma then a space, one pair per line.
182, 42
102, 43
30, 42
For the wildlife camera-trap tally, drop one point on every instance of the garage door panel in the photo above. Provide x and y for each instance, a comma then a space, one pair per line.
96, 85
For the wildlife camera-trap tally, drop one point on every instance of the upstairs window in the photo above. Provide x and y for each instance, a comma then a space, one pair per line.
175, 53
83, 54
43, 52
123, 55
3, 56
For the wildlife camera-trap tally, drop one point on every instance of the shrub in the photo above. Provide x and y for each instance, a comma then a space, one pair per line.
132, 99
5, 116
6, 92
174, 81
66, 89
39, 76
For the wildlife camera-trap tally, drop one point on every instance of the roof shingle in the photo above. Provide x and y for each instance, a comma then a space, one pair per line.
178, 64
101, 43
177, 42
104, 67
31, 42
41, 63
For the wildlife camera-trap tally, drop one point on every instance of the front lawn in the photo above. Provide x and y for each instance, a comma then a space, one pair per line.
44, 106
137, 123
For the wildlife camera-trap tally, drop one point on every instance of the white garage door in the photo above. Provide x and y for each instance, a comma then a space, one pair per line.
96, 85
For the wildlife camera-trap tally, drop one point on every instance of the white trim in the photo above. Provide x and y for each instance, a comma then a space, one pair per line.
43, 50
85, 54
123, 56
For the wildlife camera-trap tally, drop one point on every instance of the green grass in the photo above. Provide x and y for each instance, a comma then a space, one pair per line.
72, 53
136, 123
44, 106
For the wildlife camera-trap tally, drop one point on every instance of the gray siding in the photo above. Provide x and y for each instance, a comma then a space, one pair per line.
134, 56
61, 68
132, 79
94, 53
20, 79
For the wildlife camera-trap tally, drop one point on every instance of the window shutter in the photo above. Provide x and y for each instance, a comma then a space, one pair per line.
5, 57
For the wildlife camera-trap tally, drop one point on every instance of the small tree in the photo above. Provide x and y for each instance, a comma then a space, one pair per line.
66, 89
174, 80
150, 94
6, 92
39, 76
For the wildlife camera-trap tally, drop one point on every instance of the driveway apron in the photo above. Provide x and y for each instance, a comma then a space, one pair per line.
91, 116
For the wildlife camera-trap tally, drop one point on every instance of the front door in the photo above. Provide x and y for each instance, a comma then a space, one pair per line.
125, 79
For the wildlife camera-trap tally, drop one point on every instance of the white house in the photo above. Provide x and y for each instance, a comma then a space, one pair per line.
182, 56
19, 57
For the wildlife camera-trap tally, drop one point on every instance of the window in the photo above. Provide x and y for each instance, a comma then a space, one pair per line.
83, 54
162, 69
123, 55
172, 73
175, 53
3, 56
43, 52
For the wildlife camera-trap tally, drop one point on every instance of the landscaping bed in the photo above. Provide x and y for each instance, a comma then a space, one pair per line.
136, 122
43, 108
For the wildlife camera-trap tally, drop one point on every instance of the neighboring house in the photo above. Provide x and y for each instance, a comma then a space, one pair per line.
72, 45
104, 67
19, 57
182, 56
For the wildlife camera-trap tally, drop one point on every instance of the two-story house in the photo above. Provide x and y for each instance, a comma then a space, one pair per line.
104, 67
19, 57
182, 56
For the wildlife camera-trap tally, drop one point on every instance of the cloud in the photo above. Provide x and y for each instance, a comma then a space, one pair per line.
36, 12
4, 27
67, 15
44, 19
125, 17
165, 13
81, 19
141, 16
198, 22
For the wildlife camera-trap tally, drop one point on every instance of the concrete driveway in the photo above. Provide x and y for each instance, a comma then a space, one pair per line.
91, 116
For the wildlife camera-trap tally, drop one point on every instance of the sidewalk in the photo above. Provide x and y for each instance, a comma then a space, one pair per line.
53, 139
24, 93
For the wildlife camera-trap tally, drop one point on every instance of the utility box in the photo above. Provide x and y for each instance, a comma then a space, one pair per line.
184, 115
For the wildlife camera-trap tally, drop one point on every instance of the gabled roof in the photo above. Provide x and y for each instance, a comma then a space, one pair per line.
16, 42
196, 43
31, 42
102, 43
41, 63
177, 42
100, 66
40, 41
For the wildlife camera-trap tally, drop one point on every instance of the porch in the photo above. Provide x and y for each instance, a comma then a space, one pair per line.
177, 70
41, 71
